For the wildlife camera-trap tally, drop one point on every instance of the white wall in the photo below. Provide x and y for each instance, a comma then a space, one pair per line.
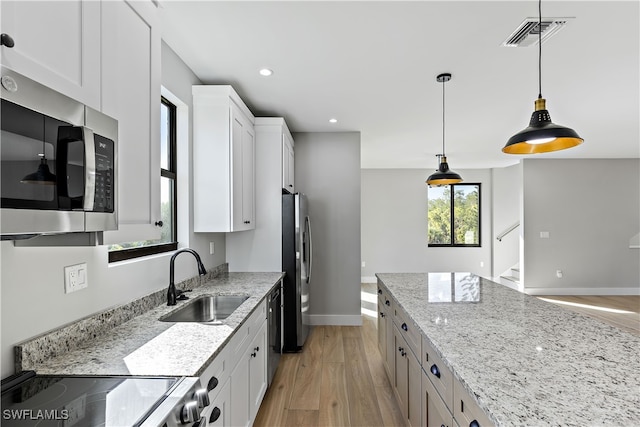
327, 169
506, 211
32, 284
591, 208
394, 225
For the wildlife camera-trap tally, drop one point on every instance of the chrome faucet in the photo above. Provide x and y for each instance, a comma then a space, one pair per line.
171, 292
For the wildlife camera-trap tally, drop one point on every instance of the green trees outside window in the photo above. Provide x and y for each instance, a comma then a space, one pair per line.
453, 215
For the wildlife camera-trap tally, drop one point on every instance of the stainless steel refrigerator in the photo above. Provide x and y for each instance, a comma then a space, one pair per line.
297, 255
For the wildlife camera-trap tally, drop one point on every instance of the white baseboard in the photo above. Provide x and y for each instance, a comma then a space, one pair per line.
335, 319
368, 279
583, 291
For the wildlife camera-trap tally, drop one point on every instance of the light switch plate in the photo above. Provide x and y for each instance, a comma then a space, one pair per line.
75, 277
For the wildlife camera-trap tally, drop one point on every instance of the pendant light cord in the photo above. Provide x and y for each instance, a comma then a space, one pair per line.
539, 49
443, 83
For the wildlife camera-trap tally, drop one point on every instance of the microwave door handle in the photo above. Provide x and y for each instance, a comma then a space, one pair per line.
89, 168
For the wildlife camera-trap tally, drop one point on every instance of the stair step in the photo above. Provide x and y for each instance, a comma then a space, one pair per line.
511, 278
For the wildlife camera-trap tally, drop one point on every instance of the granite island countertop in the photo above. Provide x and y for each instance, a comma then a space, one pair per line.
145, 345
526, 361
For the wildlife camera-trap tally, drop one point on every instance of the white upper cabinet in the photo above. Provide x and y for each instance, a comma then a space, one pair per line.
131, 94
288, 162
223, 160
58, 45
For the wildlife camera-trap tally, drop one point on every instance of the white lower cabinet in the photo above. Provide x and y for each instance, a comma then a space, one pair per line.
249, 381
257, 371
218, 413
236, 380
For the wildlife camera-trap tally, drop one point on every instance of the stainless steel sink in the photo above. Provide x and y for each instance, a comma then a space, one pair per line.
206, 308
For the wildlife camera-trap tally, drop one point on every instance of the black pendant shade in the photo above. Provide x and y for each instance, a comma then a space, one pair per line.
542, 135
443, 176
42, 175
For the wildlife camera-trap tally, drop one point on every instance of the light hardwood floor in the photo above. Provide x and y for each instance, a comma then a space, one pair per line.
620, 311
339, 379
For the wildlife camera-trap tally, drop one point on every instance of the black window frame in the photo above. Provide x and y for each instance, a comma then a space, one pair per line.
452, 218
171, 173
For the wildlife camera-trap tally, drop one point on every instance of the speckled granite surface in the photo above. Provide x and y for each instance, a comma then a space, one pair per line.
527, 362
31, 353
143, 345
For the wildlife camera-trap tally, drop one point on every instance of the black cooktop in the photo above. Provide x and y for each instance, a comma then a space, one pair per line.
35, 400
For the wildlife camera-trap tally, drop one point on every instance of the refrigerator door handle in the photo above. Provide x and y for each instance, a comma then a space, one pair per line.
308, 226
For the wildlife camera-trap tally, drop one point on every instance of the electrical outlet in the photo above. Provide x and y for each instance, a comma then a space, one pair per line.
559, 274
75, 277
364, 264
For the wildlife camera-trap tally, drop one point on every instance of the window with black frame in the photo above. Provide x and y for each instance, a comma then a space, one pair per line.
453, 215
168, 197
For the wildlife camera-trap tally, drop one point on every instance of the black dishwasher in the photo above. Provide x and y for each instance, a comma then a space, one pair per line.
274, 326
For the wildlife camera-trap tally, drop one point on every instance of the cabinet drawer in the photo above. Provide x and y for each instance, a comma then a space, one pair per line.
216, 374
408, 329
243, 336
383, 299
434, 411
218, 413
466, 410
437, 372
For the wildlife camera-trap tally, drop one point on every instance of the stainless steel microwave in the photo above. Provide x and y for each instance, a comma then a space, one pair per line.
58, 162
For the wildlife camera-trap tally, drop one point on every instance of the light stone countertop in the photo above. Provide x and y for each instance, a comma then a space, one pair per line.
146, 346
527, 362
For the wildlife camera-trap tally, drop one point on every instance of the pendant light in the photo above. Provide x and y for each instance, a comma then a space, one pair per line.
42, 176
542, 135
443, 176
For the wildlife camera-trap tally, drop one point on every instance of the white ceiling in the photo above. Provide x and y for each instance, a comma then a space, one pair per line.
373, 66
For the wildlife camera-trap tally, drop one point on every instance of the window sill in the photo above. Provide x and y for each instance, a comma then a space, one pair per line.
128, 254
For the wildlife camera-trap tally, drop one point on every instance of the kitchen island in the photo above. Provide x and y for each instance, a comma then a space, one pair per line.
144, 345
522, 360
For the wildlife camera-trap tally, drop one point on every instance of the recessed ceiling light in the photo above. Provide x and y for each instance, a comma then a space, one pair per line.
333, 120
266, 72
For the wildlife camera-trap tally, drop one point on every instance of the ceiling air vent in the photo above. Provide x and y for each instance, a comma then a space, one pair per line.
527, 33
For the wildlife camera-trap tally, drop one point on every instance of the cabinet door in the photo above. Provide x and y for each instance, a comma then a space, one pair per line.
218, 413
240, 393
435, 412
131, 94
248, 177
382, 329
414, 380
257, 371
242, 171
288, 161
57, 43
390, 354
401, 371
